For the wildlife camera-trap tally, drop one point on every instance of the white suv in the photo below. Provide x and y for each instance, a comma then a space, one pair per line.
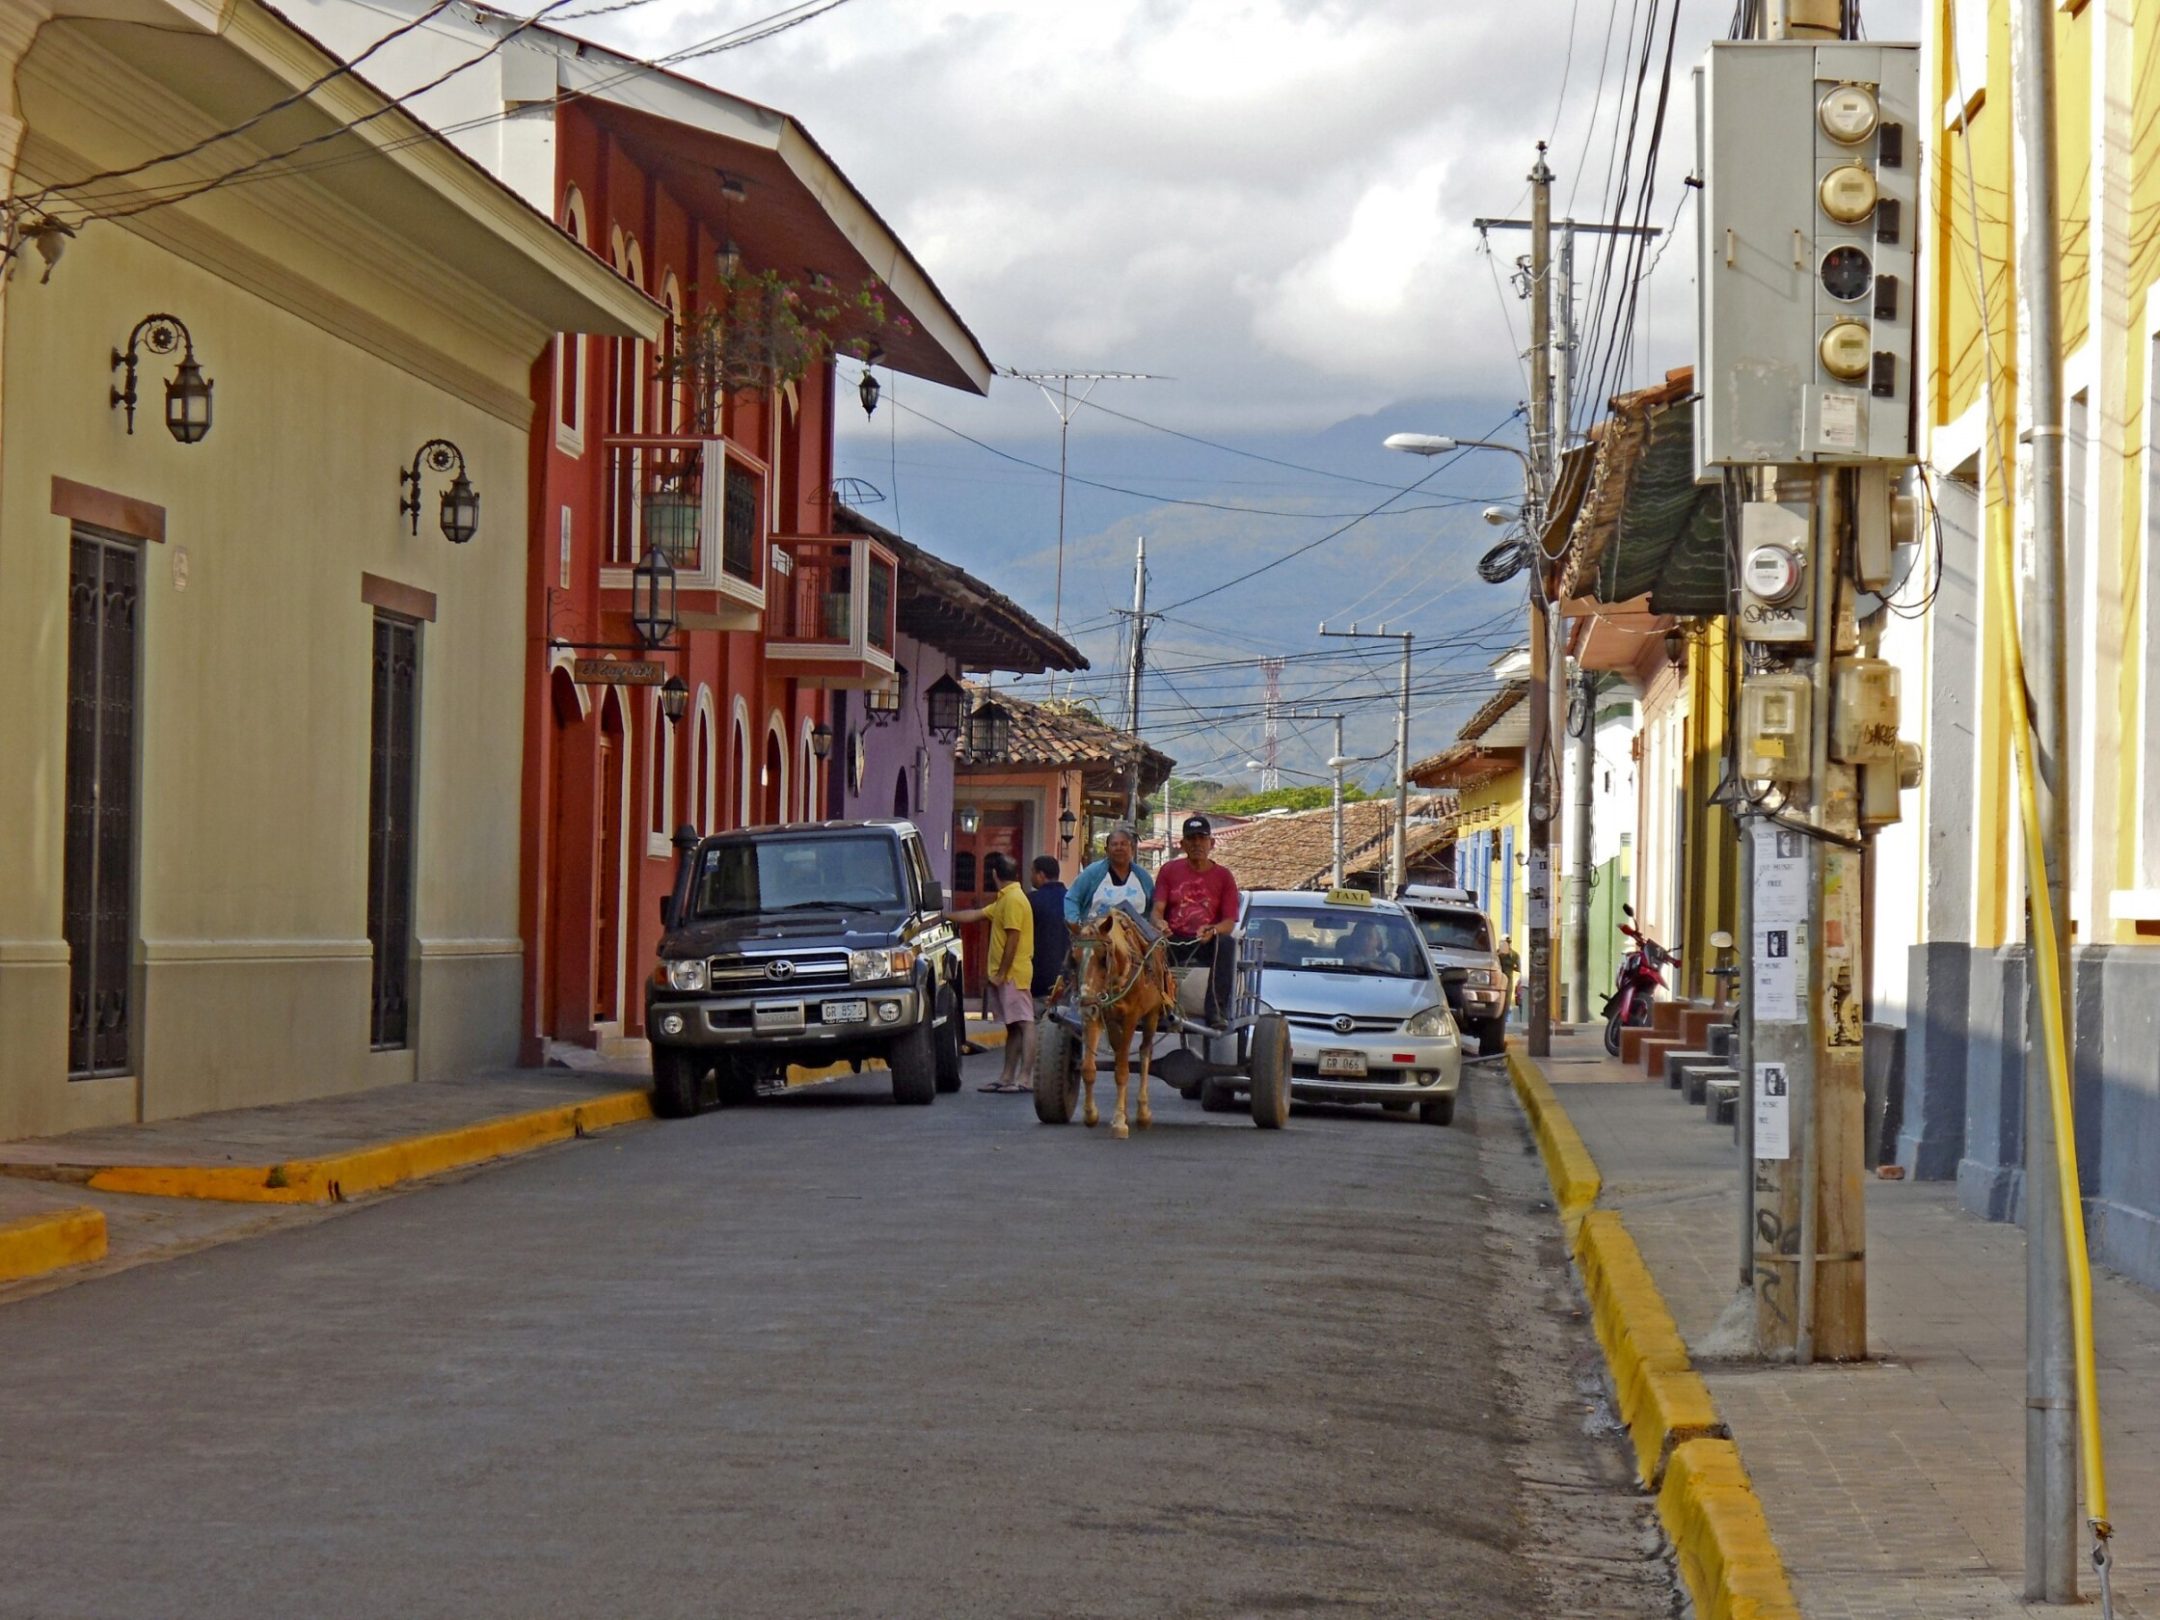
1460, 936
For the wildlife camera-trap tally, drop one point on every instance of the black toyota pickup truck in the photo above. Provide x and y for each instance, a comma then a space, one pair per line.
812, 945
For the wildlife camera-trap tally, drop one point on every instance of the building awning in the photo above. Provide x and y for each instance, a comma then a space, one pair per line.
946, 607
1066, 736
1629, 519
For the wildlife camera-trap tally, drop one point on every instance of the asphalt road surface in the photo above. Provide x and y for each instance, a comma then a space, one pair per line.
822, 1356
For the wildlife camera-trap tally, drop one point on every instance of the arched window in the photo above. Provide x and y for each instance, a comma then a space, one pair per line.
675, 389
744, 781
660, 781
704, 766
570, 349
775, 773
626, 413
806, 774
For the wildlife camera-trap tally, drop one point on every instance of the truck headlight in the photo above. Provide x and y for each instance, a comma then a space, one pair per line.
1429, 1023
1484, 977
868, 967
686, 975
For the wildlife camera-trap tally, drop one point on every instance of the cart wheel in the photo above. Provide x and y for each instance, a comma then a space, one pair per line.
1057, 1073
1270, 1069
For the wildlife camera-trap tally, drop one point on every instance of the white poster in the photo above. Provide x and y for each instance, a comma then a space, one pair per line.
1540, 889
1773, 1112
1780, 923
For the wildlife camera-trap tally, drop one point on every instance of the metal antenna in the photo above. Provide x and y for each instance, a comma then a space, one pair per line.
1271, 735
1061, 401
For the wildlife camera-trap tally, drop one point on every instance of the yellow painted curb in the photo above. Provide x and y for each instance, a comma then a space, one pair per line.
1568, 1165
1720, 1536
42, 1243
345, 1175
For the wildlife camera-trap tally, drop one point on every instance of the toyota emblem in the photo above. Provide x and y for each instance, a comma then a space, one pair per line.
1344, 1024
782, 969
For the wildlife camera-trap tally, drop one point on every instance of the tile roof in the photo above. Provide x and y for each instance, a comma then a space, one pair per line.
1064, 733
1490, 744
1296, 851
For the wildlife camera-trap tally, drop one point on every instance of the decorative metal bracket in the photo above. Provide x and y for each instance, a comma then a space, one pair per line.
161, 335
439, 455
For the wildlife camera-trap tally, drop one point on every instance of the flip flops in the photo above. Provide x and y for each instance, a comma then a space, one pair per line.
1006, 1088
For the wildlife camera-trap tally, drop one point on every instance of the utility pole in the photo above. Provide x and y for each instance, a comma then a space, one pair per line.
1063, 403
1399, 857
2051, 1400
1543, 786
1132, 684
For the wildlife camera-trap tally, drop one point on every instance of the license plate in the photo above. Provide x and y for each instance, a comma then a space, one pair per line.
846, 1012
1342, 1063
776, 1015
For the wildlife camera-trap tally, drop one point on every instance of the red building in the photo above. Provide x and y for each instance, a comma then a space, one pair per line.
676, 185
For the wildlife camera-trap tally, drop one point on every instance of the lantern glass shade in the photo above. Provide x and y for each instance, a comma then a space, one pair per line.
187, 402
990, 731
652, 598
460, 511
1676, 648
970, 819
821, 740
867, 391
947, 704
1067, 821
675, 699
882, 704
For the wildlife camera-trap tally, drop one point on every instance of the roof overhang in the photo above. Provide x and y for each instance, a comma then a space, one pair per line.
1620, 637
946, 607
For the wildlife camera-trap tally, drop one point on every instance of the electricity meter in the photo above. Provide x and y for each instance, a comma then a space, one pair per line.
1773, 573
1864, 711
1848, 193
1844, 351
1774, 551
1774, 710
1849, 114
1846, 274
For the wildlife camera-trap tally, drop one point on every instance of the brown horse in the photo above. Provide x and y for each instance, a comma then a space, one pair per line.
1125, 985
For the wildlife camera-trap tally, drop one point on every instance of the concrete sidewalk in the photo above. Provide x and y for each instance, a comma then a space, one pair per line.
1893, 1488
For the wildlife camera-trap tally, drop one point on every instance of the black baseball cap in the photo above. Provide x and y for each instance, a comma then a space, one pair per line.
1197, 827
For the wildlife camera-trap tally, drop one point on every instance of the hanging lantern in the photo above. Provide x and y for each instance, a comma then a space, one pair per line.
652, 598
460, 511
867, 391
989, 731
674, 700
821, 740
1067, 821
187, 402
1676, 649
946, 702
882, 704
970, 819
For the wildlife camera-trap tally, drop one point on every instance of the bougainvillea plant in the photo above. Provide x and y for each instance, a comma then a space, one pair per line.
757, 331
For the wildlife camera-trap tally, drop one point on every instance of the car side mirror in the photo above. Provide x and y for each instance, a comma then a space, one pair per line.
667, 911
933, 895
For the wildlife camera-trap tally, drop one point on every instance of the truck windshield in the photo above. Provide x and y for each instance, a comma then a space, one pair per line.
1313, 941
800, 874
1453, 930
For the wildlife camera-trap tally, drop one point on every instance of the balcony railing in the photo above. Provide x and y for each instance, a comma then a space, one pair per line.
683, 497
837, 602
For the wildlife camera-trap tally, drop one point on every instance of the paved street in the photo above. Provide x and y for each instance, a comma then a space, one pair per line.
823, 1356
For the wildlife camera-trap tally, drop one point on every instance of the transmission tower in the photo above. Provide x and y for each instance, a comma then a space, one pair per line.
1271, 737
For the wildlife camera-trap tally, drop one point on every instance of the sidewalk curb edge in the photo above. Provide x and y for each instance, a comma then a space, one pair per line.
1685, 1455
44, 1243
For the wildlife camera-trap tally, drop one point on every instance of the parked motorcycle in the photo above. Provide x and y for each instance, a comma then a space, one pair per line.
1637, 983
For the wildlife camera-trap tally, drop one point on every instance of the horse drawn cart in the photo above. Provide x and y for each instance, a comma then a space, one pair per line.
1211, 1061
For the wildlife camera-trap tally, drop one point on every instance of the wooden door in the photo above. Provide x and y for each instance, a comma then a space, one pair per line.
998, 830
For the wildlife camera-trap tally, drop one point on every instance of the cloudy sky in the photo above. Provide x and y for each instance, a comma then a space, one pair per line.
1267, 201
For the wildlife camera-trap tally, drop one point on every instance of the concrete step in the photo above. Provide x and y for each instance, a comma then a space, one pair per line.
1696, 1020
1721, 1099
1678, 1063
1699, 1075
1631, 1045
1654, 1052
1665, 1017
1723, 1040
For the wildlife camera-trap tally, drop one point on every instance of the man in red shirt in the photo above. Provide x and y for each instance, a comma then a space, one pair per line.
1196, 904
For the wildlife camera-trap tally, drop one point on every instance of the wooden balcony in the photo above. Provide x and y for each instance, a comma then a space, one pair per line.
831, 614
701, 502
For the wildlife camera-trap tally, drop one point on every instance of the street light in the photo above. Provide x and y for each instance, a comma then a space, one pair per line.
821, 740
1067, 821
674, 700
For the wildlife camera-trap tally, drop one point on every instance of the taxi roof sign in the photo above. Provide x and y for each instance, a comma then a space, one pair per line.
1349, 897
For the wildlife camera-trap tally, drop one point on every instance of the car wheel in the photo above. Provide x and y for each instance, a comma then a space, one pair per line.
947, 1039
678, 1081
736, 1082
913, 1060
1217, 1096
1492, 1037
1057, 1073
1270, 1067
1440, 1111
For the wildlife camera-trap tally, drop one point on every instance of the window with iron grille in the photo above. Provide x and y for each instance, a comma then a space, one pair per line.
98, 880
390, 828
739, 524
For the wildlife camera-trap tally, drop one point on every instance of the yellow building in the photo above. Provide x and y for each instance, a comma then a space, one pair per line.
1958, 872
259, 822
1484, 767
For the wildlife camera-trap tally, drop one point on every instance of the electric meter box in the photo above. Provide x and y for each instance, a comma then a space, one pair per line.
1864, 711
1776, 590
1881, 784
1810, 158
1774, 712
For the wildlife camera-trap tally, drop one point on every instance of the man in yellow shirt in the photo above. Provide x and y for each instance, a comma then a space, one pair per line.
1010, 969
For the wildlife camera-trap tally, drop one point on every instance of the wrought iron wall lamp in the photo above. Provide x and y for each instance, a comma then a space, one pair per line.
460, 502
187, 392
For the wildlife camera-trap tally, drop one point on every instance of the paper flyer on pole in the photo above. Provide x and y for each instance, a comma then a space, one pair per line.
1780, 923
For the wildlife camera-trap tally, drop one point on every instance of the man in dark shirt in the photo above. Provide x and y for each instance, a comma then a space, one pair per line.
1053, 938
